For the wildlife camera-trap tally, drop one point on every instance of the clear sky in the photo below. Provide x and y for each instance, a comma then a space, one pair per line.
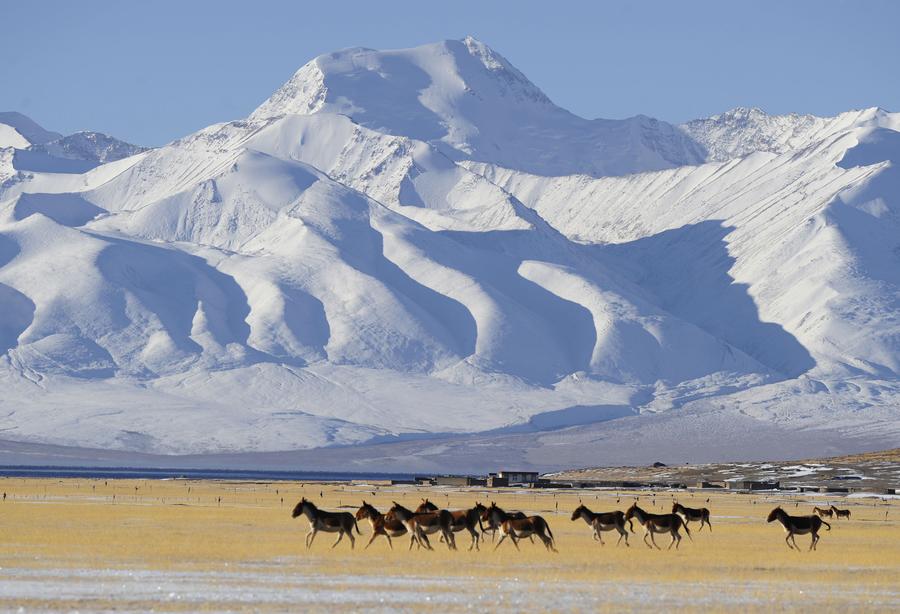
152, 71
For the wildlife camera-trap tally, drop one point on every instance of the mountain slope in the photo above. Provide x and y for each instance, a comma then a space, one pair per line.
419, 244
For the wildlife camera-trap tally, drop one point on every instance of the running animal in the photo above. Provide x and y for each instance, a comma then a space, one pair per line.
658, 523
421, 524
798, 525
382, 524
329, 522
519, 528
468, 520
604, 521
840, 513
691, 514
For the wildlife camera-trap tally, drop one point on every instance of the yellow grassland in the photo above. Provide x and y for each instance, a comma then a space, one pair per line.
68, 525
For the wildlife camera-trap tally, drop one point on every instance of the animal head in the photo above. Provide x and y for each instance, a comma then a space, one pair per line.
427, 506
398, 508
298, 509
631, 511
773, 515
675, 507
365, 511
483, 510
577, 513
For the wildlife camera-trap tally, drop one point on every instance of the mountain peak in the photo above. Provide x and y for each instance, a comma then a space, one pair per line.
435, 76
469, 102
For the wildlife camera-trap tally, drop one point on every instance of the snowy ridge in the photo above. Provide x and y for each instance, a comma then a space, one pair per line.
742, 131
419, 243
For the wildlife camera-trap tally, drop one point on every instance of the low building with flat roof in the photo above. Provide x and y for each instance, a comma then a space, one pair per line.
519, 477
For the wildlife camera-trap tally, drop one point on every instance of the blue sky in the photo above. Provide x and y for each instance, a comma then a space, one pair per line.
150, 72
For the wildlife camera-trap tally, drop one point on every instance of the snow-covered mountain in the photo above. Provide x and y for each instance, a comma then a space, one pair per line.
26, 146
419, 244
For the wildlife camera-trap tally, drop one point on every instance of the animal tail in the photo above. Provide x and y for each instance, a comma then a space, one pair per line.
355, 524
827, 525
549, 532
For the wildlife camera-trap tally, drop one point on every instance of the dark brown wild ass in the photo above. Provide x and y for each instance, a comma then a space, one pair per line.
382, 524
658, 523
519, 528
603, 521
692, 514
840, 513
421, 524
492, 528
462, 519
329, 522
798, 525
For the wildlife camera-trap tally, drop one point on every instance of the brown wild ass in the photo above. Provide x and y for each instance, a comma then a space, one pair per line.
692, 514
798, 525
329, 522
421, 524
604, 521
493, 528
381, 524
658, 523
519, 528
840, 513
462, 519
823, 512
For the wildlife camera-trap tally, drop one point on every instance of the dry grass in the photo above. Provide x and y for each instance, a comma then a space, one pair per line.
54, 530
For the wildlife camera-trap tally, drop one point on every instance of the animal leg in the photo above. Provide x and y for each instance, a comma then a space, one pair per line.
474, 540
371, 539
352, 540
311, 536
653, 539
794, 541
515, 541
340, 537
502, 537
787, 540
423, 539
389, 541
450, 539
646, 542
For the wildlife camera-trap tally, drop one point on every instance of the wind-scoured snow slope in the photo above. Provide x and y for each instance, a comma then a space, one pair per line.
418, 244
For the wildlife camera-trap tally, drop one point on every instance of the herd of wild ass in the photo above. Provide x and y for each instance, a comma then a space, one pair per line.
427, 519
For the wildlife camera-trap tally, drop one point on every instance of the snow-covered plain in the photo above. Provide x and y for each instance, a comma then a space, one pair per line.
419, 244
